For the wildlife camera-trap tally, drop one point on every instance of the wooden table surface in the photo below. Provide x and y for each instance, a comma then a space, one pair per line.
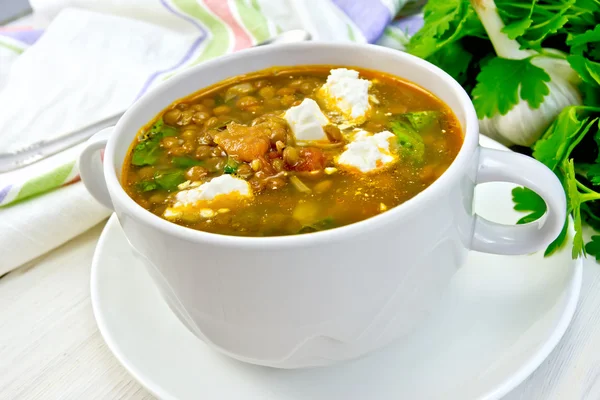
50, 347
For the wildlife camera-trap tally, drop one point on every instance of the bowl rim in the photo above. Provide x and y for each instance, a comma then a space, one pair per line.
460, 163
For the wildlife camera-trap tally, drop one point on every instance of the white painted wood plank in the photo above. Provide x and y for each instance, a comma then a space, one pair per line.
50, 347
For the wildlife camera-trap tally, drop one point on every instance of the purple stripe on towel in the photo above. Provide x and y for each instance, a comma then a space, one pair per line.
371, 17
188, 55
25, 36
410, 24
4, 191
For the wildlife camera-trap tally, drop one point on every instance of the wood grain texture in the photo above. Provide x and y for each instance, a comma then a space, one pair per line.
50, 347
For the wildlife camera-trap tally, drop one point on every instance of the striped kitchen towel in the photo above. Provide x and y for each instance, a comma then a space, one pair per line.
79, 65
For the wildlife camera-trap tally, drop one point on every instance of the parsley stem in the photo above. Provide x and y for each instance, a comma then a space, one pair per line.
493, 24
583, 187
589, 197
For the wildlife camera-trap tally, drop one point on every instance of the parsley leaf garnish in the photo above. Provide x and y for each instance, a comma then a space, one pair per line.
146, 186
453, 59
519, 79
562, 136
165, 180
593, 247
588, 70
529, 201
574, 200
445, 22
169, 180
148, 151
560, 241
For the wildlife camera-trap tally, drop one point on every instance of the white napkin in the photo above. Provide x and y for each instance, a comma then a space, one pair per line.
94, 60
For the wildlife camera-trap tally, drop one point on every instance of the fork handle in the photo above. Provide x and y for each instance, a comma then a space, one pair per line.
46, 148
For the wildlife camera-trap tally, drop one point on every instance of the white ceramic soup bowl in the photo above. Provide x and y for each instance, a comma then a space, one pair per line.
318, 298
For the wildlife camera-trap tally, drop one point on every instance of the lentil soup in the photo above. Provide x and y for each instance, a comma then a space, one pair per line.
291, 150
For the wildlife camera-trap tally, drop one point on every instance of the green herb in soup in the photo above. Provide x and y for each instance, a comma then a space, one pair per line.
290, 151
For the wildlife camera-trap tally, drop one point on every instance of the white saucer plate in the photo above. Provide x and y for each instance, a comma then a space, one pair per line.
497, 322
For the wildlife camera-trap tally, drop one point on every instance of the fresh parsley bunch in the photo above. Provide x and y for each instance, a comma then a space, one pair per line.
532, 69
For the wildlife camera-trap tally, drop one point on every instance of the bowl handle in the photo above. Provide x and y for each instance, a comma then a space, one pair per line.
505, 166
91, 167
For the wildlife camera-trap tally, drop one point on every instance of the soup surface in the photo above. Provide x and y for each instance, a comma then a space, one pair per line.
291, 150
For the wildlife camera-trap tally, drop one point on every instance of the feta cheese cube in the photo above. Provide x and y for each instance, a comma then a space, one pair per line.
368, 152
307, 121
346, 93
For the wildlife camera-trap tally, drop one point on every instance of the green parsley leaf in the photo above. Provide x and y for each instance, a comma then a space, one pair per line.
516, 24
454, 59
146, 186
147, 152
559, 140
590, 213
593, 247
588, 70
169, 180
528, 201
590, 94
160, 128
579, 42
593, 174
560, 241
537, 33
532, 21
502, 82
157, 127
593, 51
185, 162
445, 22
574, 206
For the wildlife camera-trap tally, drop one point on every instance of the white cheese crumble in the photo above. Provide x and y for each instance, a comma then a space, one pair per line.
345, 92
368, 152
307, 121
224, 185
